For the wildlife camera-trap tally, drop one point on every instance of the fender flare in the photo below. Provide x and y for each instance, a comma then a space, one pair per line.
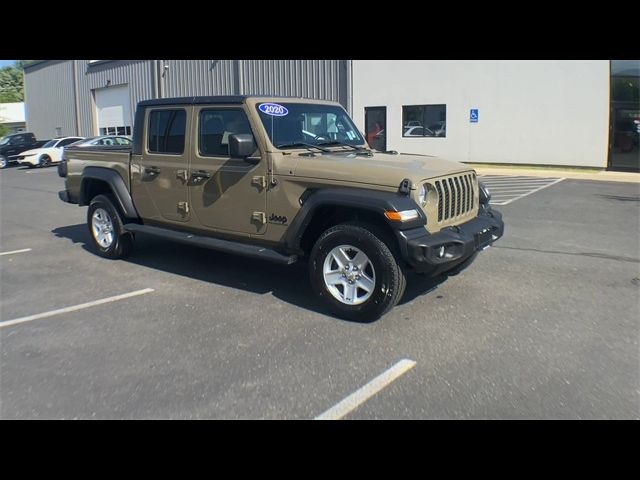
360, 198
117, 185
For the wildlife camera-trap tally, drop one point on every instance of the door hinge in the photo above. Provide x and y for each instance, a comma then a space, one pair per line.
182, 174
259, 217
260, 181
183, 207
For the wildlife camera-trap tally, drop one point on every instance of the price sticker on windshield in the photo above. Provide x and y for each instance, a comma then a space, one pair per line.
273, 109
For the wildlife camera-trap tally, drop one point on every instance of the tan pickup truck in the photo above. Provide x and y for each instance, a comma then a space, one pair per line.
284, 179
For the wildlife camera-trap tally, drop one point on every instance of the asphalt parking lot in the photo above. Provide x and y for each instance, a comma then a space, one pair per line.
545, 324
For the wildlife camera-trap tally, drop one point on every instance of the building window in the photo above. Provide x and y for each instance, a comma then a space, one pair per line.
215, 128
122, 130
166, 131
424, 121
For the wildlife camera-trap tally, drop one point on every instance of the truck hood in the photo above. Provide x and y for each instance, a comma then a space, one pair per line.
380, 169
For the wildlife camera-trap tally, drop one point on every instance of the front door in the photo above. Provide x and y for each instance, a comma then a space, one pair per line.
624, 147
162, 193
227, 194
16, 145
375, 126
624, 129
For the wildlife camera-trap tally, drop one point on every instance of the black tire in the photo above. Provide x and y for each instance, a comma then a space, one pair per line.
122, 243
390, 279
4, 163
45, 161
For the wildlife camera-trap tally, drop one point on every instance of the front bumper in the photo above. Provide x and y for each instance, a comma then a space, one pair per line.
436, 253
31, 160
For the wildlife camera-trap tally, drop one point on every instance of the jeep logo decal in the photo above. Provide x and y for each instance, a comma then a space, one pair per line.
278, 219
273, 109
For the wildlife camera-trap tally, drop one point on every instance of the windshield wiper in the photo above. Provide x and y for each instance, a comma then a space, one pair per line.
342, 144
302, 144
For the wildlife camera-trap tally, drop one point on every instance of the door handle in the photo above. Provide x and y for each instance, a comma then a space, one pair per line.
152, 170
200, 174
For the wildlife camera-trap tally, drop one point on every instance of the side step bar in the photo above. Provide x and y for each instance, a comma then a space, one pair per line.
214, 243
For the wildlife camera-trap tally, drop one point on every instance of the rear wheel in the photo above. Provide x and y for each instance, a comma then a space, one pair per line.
355, 273
106, 228
3, 162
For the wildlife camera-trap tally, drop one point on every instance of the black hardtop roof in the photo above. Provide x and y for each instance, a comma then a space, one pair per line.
193, 100
207, 100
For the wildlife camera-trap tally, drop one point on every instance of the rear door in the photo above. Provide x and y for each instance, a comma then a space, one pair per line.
162, 194
227, 194
57, 153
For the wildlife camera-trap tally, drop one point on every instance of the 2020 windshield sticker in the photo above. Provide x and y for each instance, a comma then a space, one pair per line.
273, 109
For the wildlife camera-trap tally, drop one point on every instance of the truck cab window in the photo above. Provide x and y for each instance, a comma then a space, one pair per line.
166, 131
215, 126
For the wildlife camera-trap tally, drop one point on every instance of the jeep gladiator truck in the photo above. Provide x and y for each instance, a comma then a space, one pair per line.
284, 179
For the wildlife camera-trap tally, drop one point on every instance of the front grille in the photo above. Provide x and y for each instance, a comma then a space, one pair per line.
455, 196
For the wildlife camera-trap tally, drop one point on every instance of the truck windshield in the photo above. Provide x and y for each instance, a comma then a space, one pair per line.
4, 140
293, 125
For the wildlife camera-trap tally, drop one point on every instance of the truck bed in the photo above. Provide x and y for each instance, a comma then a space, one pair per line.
115, 157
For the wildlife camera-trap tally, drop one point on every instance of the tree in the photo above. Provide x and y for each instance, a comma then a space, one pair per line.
11, 85
24, 63
4, 130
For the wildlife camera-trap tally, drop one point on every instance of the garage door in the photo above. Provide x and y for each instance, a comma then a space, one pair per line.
113, 110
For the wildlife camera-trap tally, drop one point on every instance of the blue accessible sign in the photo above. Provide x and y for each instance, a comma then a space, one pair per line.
473, 115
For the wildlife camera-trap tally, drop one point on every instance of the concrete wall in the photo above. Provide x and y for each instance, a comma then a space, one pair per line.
530, 112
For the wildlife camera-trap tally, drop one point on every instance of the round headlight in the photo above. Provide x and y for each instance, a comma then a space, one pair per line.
485, 194
422, 195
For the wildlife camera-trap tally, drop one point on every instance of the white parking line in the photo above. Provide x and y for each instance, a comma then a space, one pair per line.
15, 251
507, 184
74, 308
506, 189
534, 191
364, 393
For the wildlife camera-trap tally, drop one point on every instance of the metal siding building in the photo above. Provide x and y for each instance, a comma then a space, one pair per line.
136, 75
50, 99
62, 93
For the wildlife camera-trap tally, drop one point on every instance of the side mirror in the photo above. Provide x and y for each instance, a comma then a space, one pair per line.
241, 145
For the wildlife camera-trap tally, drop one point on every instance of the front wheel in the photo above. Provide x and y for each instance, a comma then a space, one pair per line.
45, 161
3, 162
106, 228
355, 273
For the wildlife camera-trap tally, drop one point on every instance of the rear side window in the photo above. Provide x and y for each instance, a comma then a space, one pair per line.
67, 141
215, 128
166, 131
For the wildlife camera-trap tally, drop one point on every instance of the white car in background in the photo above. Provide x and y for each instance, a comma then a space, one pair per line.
48, 154
105, 141
418, 132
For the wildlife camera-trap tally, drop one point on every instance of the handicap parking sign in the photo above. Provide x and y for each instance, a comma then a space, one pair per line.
473, 115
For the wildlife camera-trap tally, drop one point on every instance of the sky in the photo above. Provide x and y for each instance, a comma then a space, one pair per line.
6, 63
